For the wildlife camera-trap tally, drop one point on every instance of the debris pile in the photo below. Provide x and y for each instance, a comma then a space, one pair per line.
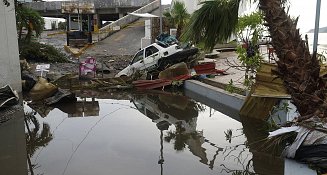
9, 101
306, 139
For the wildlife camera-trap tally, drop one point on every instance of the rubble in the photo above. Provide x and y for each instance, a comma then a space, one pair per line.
8, 97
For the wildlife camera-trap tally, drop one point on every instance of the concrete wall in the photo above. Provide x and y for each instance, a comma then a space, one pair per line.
56, 5
105, 31
12, 145
9, 58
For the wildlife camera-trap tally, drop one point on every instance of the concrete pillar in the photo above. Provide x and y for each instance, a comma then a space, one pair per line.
121, 15
13, 157
120, 12
9, 57
97, 24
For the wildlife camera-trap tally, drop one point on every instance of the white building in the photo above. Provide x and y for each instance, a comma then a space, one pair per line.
193, 5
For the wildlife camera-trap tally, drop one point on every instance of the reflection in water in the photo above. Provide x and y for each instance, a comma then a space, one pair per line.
180, 111
84, 107
263, 161
121, 140
34, 138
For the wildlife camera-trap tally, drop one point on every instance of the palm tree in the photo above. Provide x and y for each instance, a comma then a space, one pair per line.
178, 16
34, 138
29, 19
215, 21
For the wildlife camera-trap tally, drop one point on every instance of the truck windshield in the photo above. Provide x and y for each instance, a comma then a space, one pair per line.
138, 56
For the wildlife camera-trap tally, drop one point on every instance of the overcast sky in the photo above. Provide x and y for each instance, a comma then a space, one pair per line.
306, 9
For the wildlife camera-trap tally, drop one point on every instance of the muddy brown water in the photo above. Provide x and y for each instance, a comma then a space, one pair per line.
140, 134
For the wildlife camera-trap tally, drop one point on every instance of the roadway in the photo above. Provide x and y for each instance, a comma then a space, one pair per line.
127, 41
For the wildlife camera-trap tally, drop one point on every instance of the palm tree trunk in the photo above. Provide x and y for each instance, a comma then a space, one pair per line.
179, 30
20, 33
298, 69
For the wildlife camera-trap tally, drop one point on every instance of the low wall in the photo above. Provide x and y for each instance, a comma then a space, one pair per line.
122, 22
217, 96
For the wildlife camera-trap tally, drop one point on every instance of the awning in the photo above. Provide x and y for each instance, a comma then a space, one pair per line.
144, 15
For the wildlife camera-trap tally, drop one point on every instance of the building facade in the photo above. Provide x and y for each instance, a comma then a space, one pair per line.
191, 5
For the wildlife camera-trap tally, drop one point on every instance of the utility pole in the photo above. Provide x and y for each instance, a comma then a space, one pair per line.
315, 40
160, 9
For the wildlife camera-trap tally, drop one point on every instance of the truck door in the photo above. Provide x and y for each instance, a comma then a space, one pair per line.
138, 61
151, 57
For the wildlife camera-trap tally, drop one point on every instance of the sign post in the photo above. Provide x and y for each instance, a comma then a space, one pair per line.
315, 40
42, 68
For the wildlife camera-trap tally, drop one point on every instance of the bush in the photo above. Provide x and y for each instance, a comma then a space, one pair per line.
62, 25
38, 52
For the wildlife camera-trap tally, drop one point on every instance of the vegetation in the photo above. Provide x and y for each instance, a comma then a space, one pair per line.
62, 25
216, 20
38, 52
178, 17
249, 30
29, 19
30, 50
213, 23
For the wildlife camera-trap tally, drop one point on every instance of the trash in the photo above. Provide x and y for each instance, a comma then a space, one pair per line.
28, 82
290, 151
167, 39
102, 68
42, 90
89, 65
24, 66
8, 97
284, 130
151, 84
313, 154
208, 68
174, 71
61, 96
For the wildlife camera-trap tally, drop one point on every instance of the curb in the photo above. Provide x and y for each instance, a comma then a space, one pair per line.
56, 33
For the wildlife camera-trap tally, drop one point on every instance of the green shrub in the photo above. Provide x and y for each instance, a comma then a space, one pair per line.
38, 52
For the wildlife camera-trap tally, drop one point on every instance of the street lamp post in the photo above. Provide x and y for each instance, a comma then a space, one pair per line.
160, 11
315, 40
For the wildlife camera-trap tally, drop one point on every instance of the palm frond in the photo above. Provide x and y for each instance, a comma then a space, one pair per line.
214, 22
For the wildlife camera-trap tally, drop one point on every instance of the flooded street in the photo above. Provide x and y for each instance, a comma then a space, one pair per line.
153, 133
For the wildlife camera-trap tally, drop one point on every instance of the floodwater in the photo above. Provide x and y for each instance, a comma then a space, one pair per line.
141, 134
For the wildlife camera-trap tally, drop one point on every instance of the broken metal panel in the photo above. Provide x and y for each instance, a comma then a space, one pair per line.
8, 97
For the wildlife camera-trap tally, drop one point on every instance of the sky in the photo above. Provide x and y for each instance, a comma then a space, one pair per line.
305, 9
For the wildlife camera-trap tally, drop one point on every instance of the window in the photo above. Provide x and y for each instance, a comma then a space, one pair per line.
150, 51
138, 56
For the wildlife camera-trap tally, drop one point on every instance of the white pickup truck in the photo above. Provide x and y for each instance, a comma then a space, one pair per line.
157, 57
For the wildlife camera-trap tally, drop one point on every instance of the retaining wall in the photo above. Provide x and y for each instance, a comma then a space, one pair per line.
124, 21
